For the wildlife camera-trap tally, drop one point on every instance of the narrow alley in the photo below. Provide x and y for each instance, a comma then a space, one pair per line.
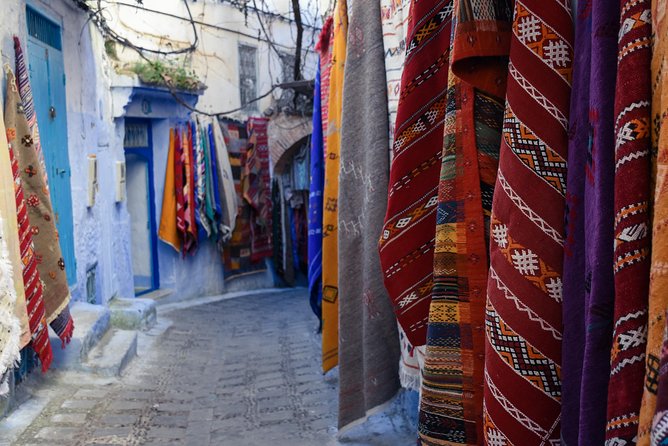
228, 373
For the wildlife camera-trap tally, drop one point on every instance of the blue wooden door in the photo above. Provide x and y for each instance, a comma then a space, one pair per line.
141, 204
47, 78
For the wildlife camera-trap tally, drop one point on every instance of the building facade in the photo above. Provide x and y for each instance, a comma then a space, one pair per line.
106, 130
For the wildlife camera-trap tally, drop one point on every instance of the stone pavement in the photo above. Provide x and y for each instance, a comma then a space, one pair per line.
238, 372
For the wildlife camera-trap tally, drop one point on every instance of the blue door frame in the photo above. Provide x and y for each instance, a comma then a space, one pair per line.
145, 152
47, 78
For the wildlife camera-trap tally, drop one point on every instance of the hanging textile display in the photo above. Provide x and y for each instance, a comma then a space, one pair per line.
632, 236
591, 164
523, 314
574, 244
324, 48
368, 341
226, 188
656, 373
50, 261
168, 231
14, 326
213, 201
451, 405
32, 282
25, 92
315, 204
407, 241
209, 179
199, 168
330, 290
10, 327
237, 252
256, 187
179, 187
189, 192
394, 17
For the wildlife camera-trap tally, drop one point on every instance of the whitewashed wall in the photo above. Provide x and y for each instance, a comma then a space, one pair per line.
98, 231
216, 60
95, 123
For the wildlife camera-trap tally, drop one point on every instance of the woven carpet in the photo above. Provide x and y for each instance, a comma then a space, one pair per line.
407, 242
451, 405
522, 384
237, 252
631, 206
330, 290
655, 395
50, 263
256, 188
368, 340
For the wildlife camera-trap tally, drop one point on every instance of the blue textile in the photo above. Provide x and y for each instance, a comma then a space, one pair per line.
315, 205
214, 178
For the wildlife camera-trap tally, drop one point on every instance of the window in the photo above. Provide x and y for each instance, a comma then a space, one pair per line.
288, 65
248, 76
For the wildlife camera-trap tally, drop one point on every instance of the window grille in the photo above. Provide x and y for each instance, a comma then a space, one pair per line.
136, 135
248, 76
43, 29
288, 64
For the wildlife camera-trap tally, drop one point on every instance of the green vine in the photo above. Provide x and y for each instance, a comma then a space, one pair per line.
164, 75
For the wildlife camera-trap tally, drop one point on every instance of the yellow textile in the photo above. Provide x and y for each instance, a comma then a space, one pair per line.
168, 232
658, 288
11, 232
330, 270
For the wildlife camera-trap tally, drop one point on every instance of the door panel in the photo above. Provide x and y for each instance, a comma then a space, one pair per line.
47, 78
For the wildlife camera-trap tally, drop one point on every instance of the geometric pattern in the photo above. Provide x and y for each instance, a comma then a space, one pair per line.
525, 359
451, 406
330, 268
407, 237
528, 212
523, 327
545, 42
632, 227
527, 263
31, 279
545, 162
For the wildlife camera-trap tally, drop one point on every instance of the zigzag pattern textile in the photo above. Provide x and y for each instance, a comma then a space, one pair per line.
522, 377
632, 221
653, 424
451, 405
407, 242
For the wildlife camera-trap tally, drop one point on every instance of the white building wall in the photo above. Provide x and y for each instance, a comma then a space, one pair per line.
97, 238
216, 60
96, 127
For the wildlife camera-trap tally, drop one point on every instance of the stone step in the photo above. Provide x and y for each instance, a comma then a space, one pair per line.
133, 314
91, 322
112, 354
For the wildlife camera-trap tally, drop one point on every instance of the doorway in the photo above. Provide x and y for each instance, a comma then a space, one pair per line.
141, 204
47, 78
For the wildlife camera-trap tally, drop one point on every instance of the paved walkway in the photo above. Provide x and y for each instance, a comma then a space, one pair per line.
239, 372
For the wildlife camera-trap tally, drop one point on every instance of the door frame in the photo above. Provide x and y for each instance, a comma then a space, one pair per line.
146, 153
62, 200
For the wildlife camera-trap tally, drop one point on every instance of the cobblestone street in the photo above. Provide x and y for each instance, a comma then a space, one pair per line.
237, 372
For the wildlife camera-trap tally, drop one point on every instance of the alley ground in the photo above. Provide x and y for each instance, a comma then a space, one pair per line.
238, 372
